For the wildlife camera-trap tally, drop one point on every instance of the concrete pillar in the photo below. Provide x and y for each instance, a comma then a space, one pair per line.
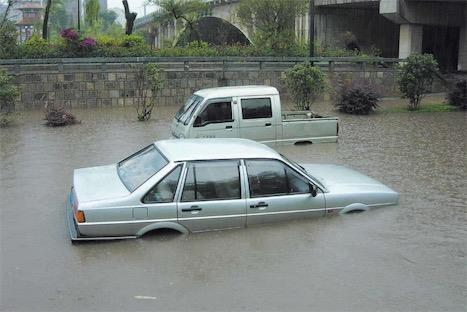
410, 40
462, 65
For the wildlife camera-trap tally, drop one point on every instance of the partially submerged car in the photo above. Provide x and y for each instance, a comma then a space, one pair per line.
195, 185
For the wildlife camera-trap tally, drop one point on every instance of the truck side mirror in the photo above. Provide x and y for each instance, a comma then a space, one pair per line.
197, 122
312, 189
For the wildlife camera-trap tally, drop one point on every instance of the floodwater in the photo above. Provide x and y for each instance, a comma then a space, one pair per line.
409, 257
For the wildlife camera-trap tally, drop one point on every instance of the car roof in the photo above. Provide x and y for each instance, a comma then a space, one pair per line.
237, 91
209, 149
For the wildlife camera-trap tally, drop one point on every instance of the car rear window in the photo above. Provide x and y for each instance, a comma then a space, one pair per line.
139, 167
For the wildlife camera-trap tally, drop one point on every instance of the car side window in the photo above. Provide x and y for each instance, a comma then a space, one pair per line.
213, 180
216, 112
256, 108
164, 190
272, 177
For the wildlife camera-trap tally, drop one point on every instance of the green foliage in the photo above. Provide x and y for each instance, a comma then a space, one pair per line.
131, 45
149, 82
415, 77
458, 95
92, 12
188, 12
8, 37
59, 18
305, 83
36, 47
356, 98
273, 22
108, 18
428, 108
8, 96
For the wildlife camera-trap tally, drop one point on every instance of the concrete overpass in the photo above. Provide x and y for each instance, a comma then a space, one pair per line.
396, 28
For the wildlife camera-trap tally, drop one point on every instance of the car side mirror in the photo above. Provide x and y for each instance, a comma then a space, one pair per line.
312, 189
197, 122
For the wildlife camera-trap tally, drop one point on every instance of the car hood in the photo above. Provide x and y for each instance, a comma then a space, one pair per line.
98, 183
341, 179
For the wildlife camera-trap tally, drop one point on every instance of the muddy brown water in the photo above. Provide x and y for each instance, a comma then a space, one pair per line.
410, 257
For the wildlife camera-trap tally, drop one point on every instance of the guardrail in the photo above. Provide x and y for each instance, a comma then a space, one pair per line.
217, 63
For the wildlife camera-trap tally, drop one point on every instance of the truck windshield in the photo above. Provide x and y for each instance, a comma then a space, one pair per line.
139, 167
186, 111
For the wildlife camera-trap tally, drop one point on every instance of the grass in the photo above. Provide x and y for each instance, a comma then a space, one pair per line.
424, 108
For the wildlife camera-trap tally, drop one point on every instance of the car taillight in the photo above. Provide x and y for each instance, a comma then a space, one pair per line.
79, 216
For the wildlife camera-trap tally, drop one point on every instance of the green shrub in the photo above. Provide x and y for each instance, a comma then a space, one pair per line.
36, 47
8, 96
458, 95
8, 37
415, 77
356, 98
304, 83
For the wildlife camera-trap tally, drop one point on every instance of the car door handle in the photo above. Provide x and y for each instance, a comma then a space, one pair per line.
192, 208
228, 127
259, 205
267, 124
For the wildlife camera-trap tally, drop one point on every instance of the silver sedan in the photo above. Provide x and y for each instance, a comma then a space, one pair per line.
198, 185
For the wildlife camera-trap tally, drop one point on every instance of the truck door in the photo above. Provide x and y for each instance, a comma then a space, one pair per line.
215, 120
256, 119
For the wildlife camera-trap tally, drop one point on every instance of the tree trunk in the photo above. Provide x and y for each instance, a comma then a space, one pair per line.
130, 18
45, 25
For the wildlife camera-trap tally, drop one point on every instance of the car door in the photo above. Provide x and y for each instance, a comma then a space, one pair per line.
212, 196
215, 120
160, 200
256, 119
277, 192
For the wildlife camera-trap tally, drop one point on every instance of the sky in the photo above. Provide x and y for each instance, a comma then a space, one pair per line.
135, 6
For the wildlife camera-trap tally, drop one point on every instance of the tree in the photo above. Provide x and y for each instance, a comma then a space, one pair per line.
130, 18
9, 6
415, 77
92, 13
187, 11
149, 82
108, 17
45, 23
304, 83
59, 18
272, 20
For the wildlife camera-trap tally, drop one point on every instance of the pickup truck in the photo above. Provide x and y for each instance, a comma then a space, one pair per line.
250, 112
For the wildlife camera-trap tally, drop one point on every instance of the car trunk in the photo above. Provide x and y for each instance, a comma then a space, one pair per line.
98, 183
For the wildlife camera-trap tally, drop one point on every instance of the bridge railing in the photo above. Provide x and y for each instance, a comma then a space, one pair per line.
210, 63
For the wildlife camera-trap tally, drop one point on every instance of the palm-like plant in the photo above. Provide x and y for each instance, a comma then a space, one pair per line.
187, 11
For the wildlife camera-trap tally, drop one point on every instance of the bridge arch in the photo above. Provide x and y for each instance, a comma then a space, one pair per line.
215, 30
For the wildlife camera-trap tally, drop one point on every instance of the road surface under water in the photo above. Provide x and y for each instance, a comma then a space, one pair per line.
409, 257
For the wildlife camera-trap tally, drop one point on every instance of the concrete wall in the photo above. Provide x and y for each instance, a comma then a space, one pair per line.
111, 82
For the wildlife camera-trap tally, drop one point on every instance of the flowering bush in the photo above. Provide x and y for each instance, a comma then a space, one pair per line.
75, 44
69, 34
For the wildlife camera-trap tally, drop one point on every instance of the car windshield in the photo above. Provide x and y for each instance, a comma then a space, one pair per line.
139, 167
186, 111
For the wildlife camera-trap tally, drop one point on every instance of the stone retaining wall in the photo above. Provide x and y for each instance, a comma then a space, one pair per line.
99, 82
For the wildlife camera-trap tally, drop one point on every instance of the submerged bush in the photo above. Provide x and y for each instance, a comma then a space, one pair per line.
458, 95
58, 117
9, 93
356, 98
415, 77
304, 83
